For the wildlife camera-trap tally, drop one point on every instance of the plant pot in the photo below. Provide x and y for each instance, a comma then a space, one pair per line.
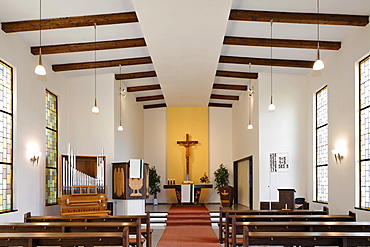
155, 201
226, 196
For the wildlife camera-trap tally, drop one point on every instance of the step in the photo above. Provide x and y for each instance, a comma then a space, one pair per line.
188, 222
186, 216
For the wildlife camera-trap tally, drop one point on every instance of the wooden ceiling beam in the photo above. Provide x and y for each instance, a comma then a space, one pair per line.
224, 97
267, 62
234, 74
136, 75
69, 22
90, 46
155, 106
143, 88
301, 18
230, 87
220, 105
149, 98
283, 43
101, 64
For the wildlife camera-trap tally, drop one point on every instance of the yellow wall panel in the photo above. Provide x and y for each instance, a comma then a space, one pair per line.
182, 121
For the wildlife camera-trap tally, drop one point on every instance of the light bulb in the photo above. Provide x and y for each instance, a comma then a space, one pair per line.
250, 126
318, 65
40, 70
95, 109
271, 107
120, 128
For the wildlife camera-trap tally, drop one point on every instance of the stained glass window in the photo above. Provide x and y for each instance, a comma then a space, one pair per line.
365, 133
6, 138
51, 148
322, 145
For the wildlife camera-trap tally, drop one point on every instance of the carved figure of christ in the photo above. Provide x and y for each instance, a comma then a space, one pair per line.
187, 144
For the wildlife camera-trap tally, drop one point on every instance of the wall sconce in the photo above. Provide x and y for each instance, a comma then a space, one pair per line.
340, 151
33, 153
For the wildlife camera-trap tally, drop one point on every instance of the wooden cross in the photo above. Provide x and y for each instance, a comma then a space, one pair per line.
187, 144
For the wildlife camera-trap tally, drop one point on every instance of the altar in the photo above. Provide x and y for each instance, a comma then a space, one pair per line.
197, 191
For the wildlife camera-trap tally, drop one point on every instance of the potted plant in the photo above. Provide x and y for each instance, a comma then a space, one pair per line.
222, 186
154, 182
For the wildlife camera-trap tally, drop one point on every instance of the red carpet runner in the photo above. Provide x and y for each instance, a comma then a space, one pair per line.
188, 227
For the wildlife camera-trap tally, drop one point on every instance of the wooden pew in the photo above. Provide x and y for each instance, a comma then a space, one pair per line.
342, 239
221, 222
295, 226
145, 219
32, 239
269, 218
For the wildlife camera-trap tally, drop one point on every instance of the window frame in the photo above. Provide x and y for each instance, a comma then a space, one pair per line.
317, 128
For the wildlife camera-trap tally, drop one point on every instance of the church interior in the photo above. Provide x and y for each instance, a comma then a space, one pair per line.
185, 87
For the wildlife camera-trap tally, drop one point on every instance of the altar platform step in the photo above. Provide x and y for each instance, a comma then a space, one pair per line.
192, 222
188, 216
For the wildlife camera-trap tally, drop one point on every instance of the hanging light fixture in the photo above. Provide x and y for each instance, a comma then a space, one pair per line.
271, 106
319, 64
250, 99
40, 69
95, 108
120, 128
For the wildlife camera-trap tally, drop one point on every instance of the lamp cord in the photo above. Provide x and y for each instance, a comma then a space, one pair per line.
120, 96
95, 62
318, 30
40, 28
271, 22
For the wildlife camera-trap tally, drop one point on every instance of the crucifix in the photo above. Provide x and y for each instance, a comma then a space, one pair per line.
187, 144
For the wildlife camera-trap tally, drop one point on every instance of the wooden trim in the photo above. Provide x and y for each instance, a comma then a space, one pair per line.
242, 75
230, 87
149, 98
89, 46
143, 88
302, 18
284, 43
267, 62
220, 105
69, 22
155, 106
101, 64
135, 75
224, 97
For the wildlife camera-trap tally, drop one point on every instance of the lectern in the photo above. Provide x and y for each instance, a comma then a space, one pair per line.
286, 198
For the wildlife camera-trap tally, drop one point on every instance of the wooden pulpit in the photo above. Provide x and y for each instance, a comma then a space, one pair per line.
286, 198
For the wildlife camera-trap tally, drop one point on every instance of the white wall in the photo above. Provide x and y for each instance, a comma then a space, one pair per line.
283, 131
220, 145
245, 142
340, 76
155, 146
29, 125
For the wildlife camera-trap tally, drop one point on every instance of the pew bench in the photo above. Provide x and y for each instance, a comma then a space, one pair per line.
222, 214
32, 239
144, 219
294, 226
280, 218
342, 239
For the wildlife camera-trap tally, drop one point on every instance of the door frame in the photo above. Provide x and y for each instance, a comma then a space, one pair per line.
250, 163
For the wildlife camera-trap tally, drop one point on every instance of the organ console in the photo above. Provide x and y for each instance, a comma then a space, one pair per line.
82, 187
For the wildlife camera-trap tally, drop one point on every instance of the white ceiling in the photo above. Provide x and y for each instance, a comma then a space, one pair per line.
184, 39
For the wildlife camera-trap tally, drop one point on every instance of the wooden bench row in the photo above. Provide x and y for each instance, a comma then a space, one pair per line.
93, 223
280, 218
342, 239
222, 216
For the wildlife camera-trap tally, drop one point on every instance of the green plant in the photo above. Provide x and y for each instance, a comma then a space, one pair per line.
154, 182
221, 177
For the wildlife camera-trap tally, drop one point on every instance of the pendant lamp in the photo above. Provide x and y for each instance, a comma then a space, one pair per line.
120, 128
271, 106
319, 64
40, 69
95, 108
250, 99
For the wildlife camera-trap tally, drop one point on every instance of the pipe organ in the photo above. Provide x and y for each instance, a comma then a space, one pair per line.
83, 189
